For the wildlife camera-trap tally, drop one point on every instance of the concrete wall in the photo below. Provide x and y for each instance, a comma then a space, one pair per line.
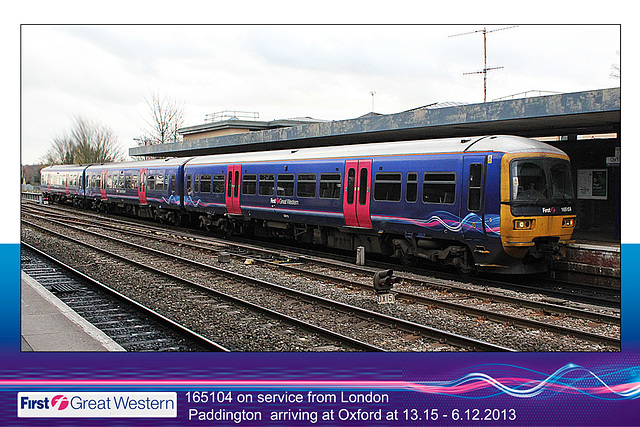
214, 133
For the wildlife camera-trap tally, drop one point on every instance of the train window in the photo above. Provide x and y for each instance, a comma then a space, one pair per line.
439, 187
266, 185
307, 185
134, 181
330, 185
351, 183
388, 186
412, 187
159, 182
364, 179
561, 182
196, 183
205, 184
474, 202
218, 184
236, 188
285, 184
229, 184
127, 181
249, 184
528, 180
188, 184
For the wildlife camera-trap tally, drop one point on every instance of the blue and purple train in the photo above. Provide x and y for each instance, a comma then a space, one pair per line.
494, 203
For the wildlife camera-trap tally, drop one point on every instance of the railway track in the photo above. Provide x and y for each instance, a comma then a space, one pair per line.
479, 313
563, 293
601, 305
551, 290
133, 326
386, 328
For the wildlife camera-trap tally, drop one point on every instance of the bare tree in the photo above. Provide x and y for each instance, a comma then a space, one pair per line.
61, 151
167, 116
615, 69
86, 142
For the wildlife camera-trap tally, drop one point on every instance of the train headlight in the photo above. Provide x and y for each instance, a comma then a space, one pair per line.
523, 224
568, 222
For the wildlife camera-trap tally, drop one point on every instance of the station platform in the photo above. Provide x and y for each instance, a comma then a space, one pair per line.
591, 262
47, 324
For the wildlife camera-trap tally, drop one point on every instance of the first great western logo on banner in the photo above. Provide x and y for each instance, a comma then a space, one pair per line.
97, 405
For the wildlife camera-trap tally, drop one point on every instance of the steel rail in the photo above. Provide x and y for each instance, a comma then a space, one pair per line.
544, 306
180, 329
499, 317
289, 319
547, 307
448, 337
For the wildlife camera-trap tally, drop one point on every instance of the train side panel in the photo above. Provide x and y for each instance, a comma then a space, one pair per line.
463, 202
64, 183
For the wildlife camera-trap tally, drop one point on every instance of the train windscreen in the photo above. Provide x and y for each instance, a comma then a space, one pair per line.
541, 181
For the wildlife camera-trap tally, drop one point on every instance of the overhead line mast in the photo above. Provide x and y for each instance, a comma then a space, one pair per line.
485, 69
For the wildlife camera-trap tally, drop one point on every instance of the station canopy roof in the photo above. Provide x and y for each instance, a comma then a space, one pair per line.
589, 112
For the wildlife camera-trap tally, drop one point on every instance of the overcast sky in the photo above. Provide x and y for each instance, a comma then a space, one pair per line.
104, 73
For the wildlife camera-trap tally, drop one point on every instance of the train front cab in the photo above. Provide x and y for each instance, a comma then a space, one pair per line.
537, 210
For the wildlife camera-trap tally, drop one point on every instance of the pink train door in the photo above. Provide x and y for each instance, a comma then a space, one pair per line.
357, 193
232, 194
103, 185
142, 186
